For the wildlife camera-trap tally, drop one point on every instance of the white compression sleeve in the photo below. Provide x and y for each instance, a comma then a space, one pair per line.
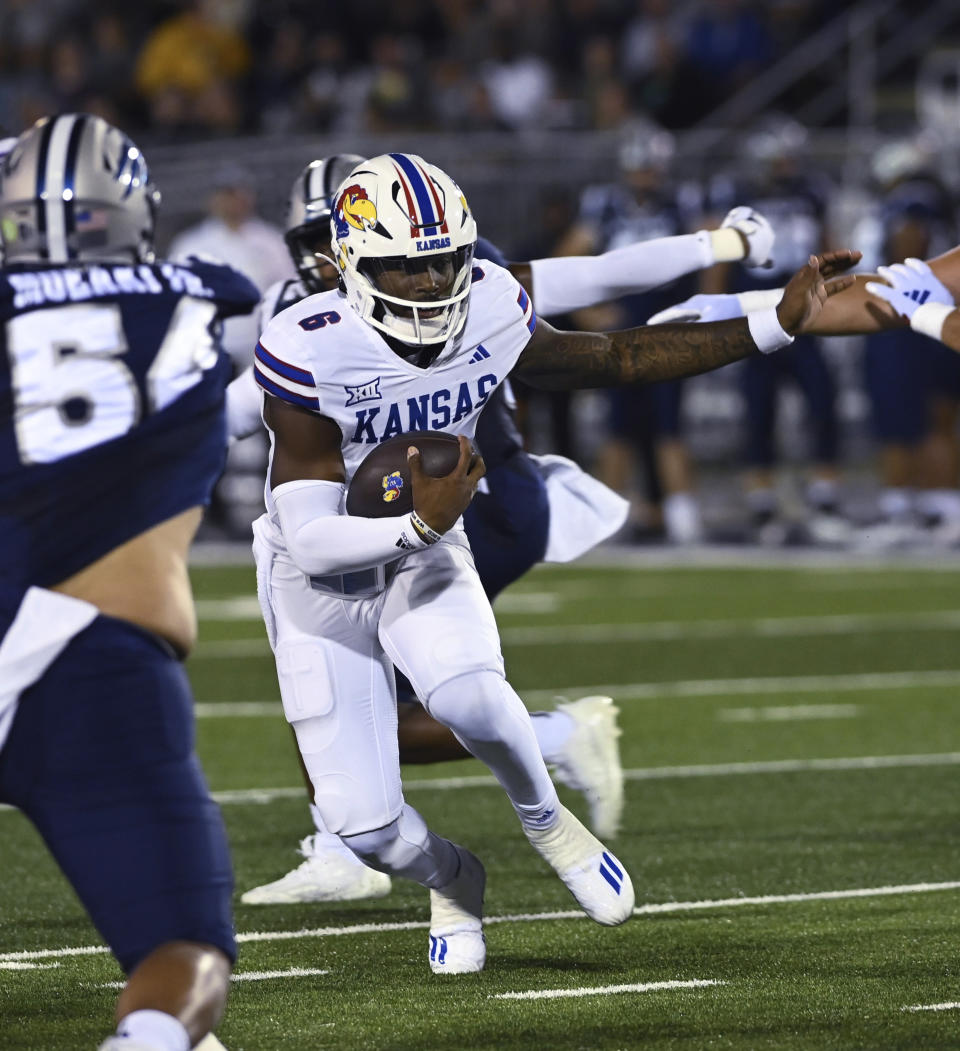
571, 282
322, 541
244, 402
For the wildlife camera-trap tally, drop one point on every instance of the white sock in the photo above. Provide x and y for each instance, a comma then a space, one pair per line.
681, 516
155, 1029
553, 730
542, 816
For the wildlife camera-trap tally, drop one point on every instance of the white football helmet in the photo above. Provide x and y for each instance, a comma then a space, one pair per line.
307, 223
74, 187
398, 216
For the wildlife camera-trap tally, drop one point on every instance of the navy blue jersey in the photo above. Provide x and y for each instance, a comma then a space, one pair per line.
618, 219
112, 386
795, 207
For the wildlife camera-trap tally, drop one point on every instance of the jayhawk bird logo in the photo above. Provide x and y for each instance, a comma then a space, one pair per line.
354, 209
392, 484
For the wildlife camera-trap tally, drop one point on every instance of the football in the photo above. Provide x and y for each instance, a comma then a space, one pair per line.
380, 487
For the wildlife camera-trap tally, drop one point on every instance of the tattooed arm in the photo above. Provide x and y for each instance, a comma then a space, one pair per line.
555, 360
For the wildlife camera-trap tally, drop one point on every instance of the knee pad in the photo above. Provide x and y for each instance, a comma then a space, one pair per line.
478, 706
406, 847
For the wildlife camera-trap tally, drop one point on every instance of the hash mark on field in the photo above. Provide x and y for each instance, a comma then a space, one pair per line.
932, 1007
653, 908
605, 990
788, 713
17, 965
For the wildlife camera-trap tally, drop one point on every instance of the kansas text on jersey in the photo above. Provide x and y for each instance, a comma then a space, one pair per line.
320, 356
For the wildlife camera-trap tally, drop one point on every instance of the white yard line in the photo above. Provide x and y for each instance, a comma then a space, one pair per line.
953, 1006
653, 908
643, 691
606, 990
788, 713
852, 681
656, 631
264, 796
650, 773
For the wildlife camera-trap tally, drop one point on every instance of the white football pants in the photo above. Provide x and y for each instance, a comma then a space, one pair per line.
335, 659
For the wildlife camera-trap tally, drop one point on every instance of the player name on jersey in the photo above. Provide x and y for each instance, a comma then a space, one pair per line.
74, 285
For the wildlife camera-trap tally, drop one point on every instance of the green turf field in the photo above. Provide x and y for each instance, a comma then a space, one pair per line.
792, 829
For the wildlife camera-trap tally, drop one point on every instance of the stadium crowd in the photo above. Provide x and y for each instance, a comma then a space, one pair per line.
201, 68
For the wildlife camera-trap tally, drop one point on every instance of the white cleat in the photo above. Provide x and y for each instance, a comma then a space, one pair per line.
457, 944
120, 1043
594, 876
591, 761
326, 874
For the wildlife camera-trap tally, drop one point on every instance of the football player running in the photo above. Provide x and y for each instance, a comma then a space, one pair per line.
114, 434
346, 598
529, 509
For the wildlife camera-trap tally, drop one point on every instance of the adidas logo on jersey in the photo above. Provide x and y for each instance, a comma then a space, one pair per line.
480, 354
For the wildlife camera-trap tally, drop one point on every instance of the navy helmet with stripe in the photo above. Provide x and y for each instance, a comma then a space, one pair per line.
397, 214
307, 222
75, 188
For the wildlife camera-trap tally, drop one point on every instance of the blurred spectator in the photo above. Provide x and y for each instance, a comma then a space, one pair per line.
191, 68
726, 44
913, 382
519, 83
232, 232
644, 424
794, 200
278, 81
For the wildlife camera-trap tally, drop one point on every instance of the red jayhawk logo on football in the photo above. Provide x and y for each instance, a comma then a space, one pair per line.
354, 208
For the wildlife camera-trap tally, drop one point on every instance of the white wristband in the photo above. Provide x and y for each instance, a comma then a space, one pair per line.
930, 318
423, 531
728, 245
759, 299
766, 330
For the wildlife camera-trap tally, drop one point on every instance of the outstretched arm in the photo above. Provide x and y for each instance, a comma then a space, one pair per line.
853, 312
565, 283
557, 360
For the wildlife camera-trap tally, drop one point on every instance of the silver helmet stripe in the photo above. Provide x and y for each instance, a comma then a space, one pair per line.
54, 185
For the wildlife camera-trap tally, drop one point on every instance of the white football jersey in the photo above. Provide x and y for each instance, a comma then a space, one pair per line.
319, 355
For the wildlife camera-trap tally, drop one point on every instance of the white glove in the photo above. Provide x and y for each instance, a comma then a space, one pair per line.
700, 308
758, 232
909, 285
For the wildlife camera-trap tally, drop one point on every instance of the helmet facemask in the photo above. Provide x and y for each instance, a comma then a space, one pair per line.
438, 314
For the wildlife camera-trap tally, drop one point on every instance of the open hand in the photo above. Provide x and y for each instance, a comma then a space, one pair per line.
812, 285
441, 501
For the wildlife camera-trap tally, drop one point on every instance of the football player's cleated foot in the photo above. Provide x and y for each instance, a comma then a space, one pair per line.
457, 944
591, 761
594, 876
326, 874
